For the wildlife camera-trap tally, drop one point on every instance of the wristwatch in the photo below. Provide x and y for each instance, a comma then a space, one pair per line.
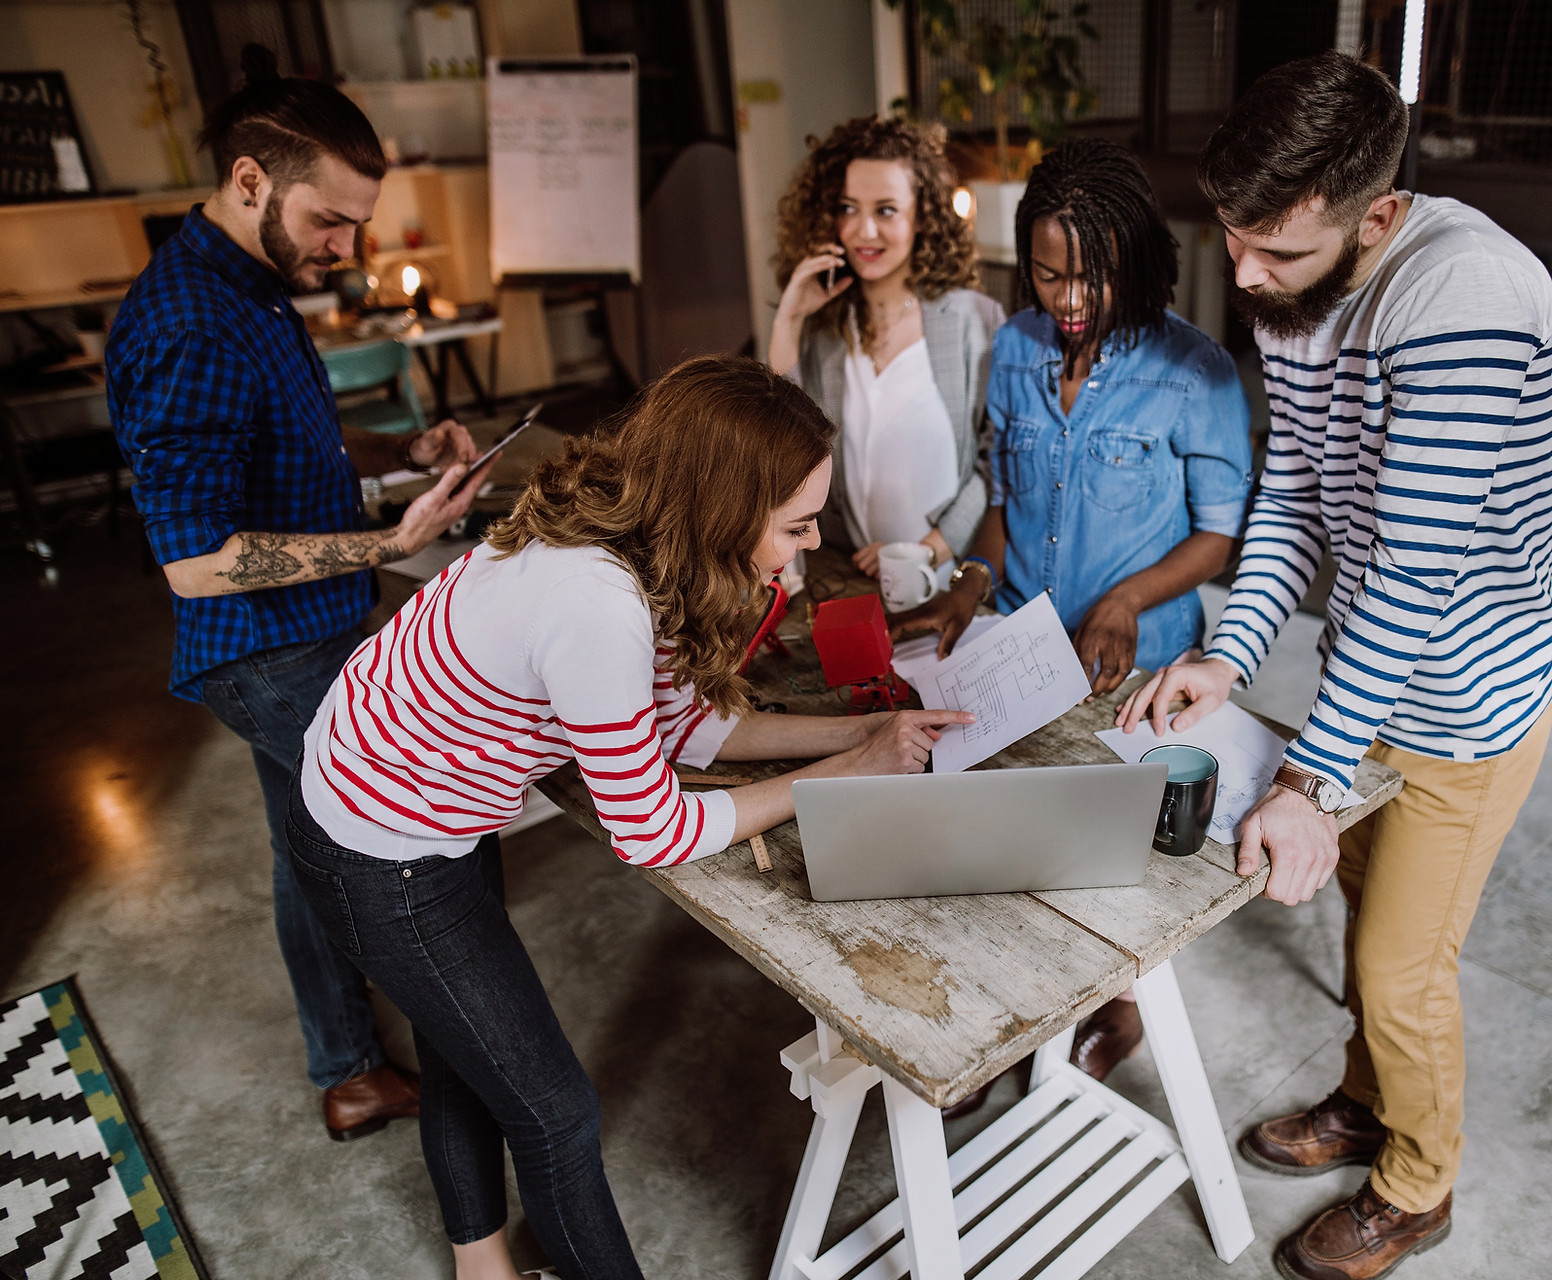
1325, 796
406, 443
974, 562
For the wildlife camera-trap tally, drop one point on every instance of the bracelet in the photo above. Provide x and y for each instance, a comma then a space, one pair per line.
981, 563
991, 574
406, 443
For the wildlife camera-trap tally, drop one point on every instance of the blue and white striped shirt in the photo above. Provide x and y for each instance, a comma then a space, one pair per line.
1412, 435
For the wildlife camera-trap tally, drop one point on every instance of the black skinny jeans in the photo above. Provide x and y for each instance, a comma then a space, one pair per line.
434, 935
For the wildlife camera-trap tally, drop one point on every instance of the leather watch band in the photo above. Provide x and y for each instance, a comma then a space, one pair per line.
1324, 794
1306, 784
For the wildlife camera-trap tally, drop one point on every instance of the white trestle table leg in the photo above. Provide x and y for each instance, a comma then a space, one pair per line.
1048, 1056
837, 1085
1195, 1114
926, 1190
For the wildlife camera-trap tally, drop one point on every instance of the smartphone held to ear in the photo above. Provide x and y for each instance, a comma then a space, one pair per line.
832, 276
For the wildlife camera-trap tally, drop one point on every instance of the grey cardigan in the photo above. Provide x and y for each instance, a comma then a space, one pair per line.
958, 327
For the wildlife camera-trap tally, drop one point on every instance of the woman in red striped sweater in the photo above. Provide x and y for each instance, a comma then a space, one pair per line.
604, 621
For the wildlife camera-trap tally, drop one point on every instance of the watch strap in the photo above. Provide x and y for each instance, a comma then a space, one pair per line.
1307, 785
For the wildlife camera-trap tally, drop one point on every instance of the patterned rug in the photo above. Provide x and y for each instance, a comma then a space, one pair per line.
80, 1196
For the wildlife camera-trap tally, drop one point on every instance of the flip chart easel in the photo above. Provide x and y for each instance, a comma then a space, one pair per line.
564, 208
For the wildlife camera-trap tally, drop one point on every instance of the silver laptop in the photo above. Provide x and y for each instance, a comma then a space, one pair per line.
989, 831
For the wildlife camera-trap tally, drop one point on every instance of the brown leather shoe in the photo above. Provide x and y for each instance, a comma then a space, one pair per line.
1335, 1132
1113, 1033
1363, 1238
367, 1102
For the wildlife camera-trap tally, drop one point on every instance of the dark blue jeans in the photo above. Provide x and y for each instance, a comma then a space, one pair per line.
434, 935
268, 699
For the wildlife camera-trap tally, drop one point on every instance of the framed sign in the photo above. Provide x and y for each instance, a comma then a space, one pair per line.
41, 154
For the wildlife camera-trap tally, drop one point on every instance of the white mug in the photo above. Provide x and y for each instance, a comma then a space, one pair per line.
905, 574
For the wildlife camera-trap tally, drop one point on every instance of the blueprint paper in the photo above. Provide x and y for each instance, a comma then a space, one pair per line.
1247, 752
915, 657
1017, 676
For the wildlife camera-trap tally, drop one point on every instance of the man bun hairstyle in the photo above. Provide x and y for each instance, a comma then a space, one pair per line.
286, 123
1328, 126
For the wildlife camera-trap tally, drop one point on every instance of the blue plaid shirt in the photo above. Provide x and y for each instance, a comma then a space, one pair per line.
223, 409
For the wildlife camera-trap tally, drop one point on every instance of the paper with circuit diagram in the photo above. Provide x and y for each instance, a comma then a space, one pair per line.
1016, 676
1247, 752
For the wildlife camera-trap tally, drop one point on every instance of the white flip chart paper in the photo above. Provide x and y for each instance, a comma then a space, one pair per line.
1016, 675
1247, 752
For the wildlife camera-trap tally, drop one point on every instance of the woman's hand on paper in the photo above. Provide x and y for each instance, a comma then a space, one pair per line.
1204, 685
948, 613
1107, 642
900, 742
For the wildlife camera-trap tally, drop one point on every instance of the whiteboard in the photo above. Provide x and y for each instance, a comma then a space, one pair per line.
563, 167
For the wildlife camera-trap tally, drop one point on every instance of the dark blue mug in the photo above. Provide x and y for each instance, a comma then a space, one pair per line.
1190, 790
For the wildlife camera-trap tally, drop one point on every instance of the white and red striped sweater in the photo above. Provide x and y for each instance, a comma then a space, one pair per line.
495, 674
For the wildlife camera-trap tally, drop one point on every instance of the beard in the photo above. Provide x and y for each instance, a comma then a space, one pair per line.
287, 256
1297, 315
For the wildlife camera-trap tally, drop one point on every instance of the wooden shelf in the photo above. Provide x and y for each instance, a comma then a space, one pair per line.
426, 253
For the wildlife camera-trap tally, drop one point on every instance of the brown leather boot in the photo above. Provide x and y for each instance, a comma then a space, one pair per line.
1335, 1132
1363, 1238
367, 1102
1112, 1033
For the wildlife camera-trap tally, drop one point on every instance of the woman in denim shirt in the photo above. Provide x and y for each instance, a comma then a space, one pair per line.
1120, 454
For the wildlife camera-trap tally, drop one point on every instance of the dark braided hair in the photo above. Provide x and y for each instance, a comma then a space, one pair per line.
1099, 193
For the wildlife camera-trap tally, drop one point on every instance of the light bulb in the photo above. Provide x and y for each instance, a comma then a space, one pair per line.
411, 280
963, 201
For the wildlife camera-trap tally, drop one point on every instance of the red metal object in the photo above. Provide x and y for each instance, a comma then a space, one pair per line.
852, 640
765, 633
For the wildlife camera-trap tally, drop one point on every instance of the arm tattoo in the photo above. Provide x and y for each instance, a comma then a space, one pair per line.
337, 553
283, 559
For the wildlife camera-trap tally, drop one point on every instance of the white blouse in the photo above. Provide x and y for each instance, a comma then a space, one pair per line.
898, 446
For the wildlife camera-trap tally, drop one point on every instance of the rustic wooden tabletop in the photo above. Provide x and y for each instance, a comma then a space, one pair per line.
946, 993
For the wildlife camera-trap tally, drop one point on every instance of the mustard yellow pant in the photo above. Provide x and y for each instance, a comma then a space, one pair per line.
1412, 873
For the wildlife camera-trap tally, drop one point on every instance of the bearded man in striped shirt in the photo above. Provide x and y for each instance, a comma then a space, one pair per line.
1406, 343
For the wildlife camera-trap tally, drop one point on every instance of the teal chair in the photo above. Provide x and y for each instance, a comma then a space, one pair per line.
375, 366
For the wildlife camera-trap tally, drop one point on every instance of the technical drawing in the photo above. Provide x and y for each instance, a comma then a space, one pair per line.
1016, 677
986, 681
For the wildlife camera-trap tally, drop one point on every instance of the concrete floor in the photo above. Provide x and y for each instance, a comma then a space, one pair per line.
137, 859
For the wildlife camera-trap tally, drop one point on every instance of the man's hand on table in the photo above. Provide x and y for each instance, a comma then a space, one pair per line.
445, 444
1204, 685
1298, 837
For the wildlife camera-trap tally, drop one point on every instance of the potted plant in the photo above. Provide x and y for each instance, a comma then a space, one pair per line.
1027, 63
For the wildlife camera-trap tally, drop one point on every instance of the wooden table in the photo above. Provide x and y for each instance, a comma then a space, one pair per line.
929, 998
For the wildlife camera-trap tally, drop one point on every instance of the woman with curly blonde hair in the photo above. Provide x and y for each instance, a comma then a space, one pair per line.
605, 621
896, 344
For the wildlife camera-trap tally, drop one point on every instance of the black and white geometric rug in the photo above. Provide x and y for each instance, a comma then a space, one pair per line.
80, 1198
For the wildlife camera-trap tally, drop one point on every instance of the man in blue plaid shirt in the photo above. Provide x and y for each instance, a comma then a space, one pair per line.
250, 493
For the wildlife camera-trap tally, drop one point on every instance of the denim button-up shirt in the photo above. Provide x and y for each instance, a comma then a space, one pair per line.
1157, 446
